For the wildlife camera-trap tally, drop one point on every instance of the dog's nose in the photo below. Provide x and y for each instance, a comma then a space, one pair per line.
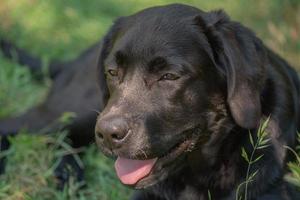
112, 131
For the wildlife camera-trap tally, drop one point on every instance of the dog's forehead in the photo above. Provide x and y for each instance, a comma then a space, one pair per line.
142, 45
167, 32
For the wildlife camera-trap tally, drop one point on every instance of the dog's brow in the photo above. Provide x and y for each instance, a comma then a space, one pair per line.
120, 58
156, 64
110, 62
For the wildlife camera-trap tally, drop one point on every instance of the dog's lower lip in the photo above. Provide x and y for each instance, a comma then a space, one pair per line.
174, 152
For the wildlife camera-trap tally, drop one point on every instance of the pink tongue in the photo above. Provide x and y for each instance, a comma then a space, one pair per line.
131, 171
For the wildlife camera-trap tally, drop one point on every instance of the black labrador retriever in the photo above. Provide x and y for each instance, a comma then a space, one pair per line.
185, 89
180, 88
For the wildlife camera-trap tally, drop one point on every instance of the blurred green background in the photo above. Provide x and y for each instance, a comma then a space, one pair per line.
60, 30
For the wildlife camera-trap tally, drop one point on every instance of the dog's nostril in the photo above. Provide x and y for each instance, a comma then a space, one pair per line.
116, 136
100, 135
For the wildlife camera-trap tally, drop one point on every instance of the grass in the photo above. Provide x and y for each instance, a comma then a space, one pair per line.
261, 141
55, 29
30, 172
17, 83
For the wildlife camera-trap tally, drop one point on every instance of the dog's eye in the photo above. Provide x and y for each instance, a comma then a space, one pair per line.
169, 76
113, 72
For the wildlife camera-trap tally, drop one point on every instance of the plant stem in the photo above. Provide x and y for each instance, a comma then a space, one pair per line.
248, 170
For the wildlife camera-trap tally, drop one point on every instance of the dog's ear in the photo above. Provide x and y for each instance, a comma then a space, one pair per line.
239, 56
105, 47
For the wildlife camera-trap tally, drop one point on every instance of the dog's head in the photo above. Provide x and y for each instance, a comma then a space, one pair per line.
172, 72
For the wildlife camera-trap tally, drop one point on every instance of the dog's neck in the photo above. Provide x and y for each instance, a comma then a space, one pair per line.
210, 158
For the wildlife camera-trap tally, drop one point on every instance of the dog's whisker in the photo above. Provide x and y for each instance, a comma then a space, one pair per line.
143, 153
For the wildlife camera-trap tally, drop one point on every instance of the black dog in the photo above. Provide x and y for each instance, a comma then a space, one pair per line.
185, 87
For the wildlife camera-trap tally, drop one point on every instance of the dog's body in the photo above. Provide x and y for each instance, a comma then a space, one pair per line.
181, 91
73, 90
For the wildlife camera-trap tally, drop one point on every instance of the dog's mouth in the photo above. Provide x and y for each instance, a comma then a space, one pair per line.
144, 173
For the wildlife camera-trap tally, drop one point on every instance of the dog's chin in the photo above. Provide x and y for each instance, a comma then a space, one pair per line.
168, 164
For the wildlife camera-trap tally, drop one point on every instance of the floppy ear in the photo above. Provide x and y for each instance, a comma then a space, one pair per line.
239, 56
105, 47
